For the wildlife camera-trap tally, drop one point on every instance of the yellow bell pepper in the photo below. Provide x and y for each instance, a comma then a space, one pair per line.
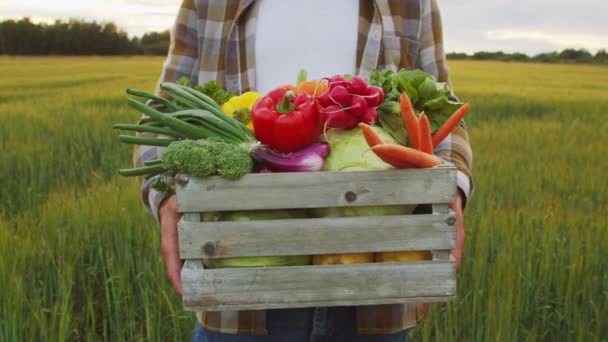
239, 107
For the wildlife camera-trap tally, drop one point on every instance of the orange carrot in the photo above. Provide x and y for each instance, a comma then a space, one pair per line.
410, 120
313, 88
396, 163
371, 137
450, 123
391, 153
426, 141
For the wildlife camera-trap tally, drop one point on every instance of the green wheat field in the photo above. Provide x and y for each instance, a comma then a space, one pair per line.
79, 257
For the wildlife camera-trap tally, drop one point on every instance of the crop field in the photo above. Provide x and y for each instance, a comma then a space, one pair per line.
80, 258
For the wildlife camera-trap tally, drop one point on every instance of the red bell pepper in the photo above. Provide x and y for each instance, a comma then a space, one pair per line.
286, 122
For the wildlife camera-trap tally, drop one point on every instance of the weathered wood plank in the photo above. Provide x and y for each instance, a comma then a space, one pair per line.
442, 209
441, 255
202, 306
316, 236
306, 286
191, 217
317, 190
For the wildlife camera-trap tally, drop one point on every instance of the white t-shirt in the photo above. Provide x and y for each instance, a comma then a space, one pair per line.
317, 35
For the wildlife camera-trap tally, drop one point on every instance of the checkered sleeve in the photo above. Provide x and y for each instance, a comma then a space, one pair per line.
181, 61
455, 149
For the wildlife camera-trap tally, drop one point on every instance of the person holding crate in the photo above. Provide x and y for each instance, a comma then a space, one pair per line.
258, 44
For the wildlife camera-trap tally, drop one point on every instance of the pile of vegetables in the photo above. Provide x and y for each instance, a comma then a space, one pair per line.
339, 123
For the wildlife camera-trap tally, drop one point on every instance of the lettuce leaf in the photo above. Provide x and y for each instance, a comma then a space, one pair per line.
426, 94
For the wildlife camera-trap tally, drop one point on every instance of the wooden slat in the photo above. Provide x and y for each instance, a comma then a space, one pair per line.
191, 217
198, 306
316, 236
308, 286
317, 190
442, 209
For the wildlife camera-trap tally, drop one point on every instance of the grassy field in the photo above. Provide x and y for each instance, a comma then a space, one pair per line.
80, 257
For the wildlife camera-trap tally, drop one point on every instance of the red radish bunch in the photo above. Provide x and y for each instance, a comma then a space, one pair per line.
350, 101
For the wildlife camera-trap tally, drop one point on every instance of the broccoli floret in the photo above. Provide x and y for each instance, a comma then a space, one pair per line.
232, 161
203, 158
190, 157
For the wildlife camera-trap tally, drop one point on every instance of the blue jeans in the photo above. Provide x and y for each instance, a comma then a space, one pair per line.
336, 324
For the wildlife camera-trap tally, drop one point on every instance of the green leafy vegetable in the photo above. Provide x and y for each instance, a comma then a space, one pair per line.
389, 115
350, 152
427, 95
211, 89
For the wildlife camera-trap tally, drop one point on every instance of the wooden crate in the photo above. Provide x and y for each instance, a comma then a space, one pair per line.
317, 285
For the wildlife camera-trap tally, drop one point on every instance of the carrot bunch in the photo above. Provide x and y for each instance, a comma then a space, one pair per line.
420, 155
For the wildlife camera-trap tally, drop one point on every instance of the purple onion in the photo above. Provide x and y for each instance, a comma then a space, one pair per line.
308, 159
319, 148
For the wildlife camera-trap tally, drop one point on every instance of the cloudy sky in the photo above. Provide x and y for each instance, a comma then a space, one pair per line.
469, 25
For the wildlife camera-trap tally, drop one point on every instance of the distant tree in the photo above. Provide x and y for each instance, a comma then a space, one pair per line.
601, 56
155, 43
519, 57
496, 56
574, 55
547, 57
457, 55
21, 37
72, 37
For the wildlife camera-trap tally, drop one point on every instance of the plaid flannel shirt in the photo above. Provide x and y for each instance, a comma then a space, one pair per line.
214, 40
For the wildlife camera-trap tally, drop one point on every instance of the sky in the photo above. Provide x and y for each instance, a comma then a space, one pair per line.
531, 26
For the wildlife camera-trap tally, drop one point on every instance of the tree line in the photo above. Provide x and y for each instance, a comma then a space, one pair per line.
77, 37
565, 56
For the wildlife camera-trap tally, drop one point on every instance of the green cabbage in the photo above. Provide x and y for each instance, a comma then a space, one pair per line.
264, 261
350, 152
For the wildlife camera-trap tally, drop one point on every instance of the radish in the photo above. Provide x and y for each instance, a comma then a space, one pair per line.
336, 117
331, 109
370, 117
339, 95
324, 100
375, 96
358, 106
336, 81
359, 86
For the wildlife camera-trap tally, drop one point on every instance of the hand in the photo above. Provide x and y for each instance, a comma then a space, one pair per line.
457, 251
169, 217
